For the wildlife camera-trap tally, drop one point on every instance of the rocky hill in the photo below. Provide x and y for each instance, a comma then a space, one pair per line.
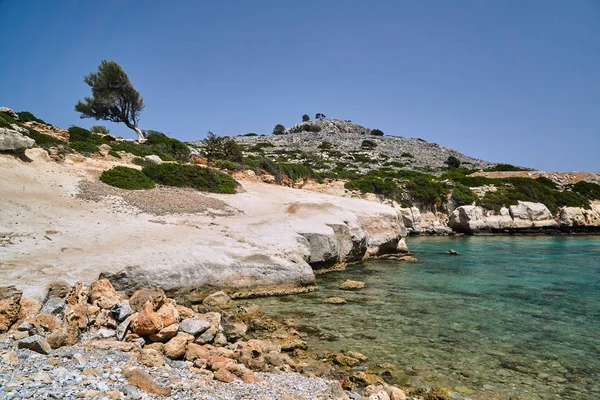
336, 140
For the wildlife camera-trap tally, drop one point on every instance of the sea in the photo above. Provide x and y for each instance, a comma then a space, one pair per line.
509, 316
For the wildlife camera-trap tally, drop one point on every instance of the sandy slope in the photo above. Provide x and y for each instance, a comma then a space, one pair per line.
253, 240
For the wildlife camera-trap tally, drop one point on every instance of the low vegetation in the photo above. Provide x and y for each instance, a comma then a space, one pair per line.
193, 176
126, 178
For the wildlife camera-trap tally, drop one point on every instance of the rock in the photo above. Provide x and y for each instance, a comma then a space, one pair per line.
131, 392
58, 289
176, 347
165, 334
141, 380
407, 259
65, 335
42, 377
10, 358
194, 326
103, 294
234, 330
25, 326
381, 395
139, 298
105, 333
154, 159
194, 351
77, 314
121, 310
218, 299
251, 356
362, 378
10, 112
29, 308
279, 359
225, 376
396, 394
35, 343
108, 344
184, 312
54, 306
452, 252
343, 359
122, 328
147, 322
14, 141
351, 285
335, 300
151, 358
265, 346
18, 335
45, 322
168, 313
220, 339
355, 354
10, 304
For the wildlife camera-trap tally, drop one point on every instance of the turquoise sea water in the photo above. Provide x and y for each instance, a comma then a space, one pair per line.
509, 316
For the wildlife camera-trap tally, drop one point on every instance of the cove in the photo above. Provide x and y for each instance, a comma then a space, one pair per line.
509, 316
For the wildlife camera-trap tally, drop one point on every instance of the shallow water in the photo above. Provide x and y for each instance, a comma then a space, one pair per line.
509, 316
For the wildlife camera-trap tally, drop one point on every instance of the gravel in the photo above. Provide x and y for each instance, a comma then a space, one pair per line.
162, 200
76, 372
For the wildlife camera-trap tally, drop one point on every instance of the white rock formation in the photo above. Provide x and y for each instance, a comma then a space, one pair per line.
13, 141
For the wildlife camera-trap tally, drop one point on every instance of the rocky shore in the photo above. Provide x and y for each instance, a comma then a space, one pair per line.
94, 342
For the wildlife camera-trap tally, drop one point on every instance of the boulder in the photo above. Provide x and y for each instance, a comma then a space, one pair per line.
10, 112
10, 304
168, 313
121, 310
54, 306
148, 321
176, 347
225, 376
66, 334
14, 141
35, 343
234, 330
58, 288
155, 296
103, 294
123, 326
194, 351
349, 284
151, 358
411, 217
165, 334
218, 299
29, 308
194, 327
143, 381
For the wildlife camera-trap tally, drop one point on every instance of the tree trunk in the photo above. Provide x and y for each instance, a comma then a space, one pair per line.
141, 137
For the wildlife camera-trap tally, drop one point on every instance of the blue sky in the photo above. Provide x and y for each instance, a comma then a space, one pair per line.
506, 81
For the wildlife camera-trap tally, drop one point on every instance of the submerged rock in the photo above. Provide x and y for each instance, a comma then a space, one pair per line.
351, 285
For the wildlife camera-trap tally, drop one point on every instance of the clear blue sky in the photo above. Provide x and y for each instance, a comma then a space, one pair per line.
506, 81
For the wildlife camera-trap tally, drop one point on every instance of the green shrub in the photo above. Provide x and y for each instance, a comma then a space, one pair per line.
126, 178
376, 132
588, 190
43, 140
139, 161
325, 145
377, 185
305, 128
426, 191
394, 164
6, 117
407, 155
78, 134
26, 116
228, 165
279, 130
496, 200
251, 134
462, 195
452, 162
4, 123
201, 178
546, 182
168, 149
100, 130
368, 145
571, 199
260, 146
114, 154
84, 147
505, 167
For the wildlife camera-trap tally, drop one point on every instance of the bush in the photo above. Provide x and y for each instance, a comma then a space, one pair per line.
126, 178
251, 134
571, 199
407, 155
452, 162
4, 123
26, 116
78, 134
100, 129
305, 118
462, 195
305, 128
6, 117
505, 167
200, 178
114, 154
588, 190
426, 191
162, 145
377, 185
43, 140
325, 146
368, 145
376, 132
279, 130
84, 147
228, 165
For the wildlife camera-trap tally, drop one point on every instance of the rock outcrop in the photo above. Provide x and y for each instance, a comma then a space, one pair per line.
14, 142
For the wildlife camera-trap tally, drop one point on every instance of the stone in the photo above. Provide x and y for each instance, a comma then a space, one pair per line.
225, 376
194, 326
29, 308
121, 310
35, 343
108, 344
77, 314
279, 359
349, 284
139, 298
67, 334
396, 393
10, 304
218, 299
151, 358
265, 346
452, 252
184, 312
18, 335
25, 326
103, 294
168, 313
220, 339
407, 259
14, 141
58, 289
105, 333
45, 322
335, 300
234, 330
114, 394
122, 328
143, 381
154, 159
381, 395
147, 322
343, 359
362, 378
355, 354
10, 112
165, 334
251, 356
10, 358
194, 351
176, 347
206, 374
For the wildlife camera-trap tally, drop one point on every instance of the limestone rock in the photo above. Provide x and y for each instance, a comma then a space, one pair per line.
121, 310
208, 335
155, 296
194, 351
14, 141
225, 376
29, 308
77, 314
44, 322
194, 326
168, 313
153, 159
10, 358
35, 343
349, 284
123, 326
54, 306
165, 334
184, 312
10, 112
65, 335
335, 300
234, 330
148, 321
143, 381
58, 288
151, 358
103, 294
10, 304
218, 299
176, 347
